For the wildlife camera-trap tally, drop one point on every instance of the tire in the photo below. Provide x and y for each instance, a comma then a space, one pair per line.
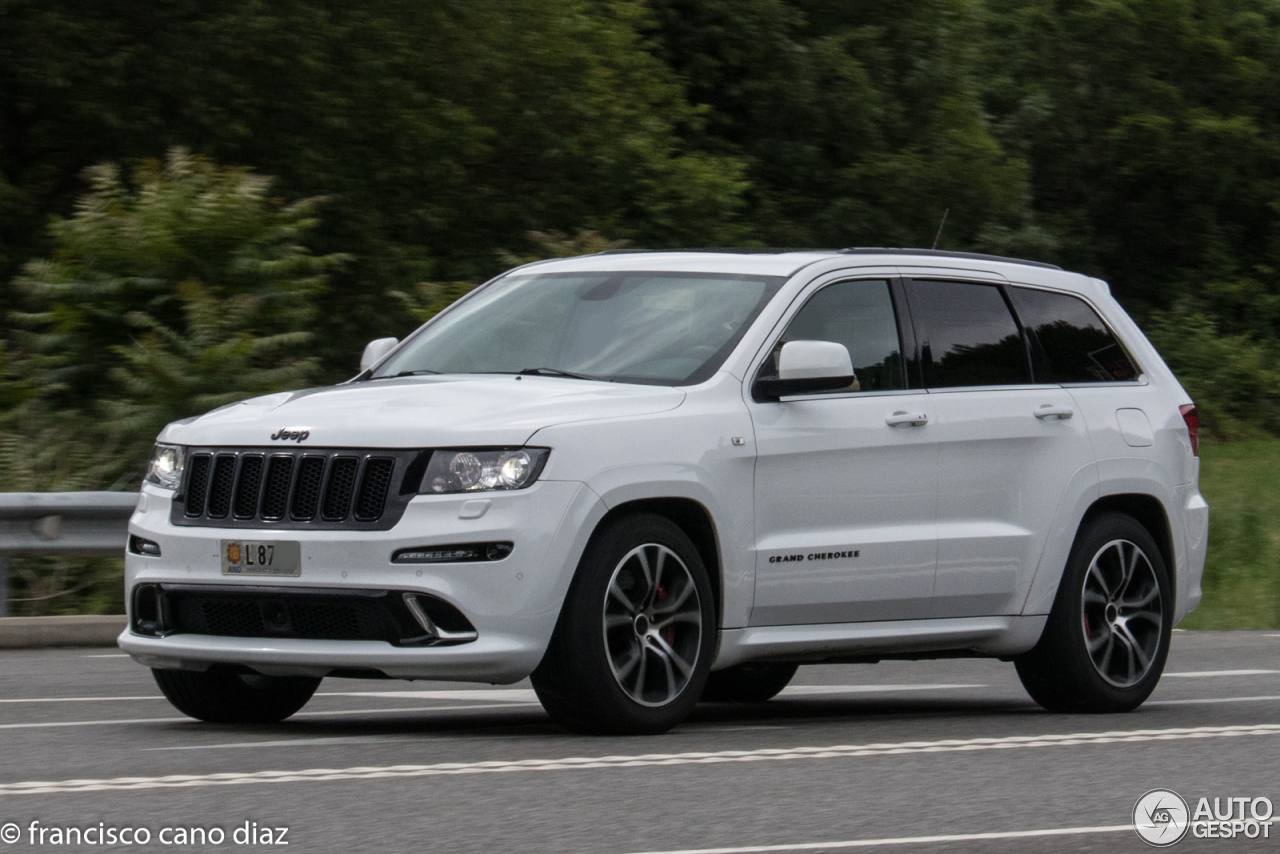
754, 682
1107, 637
631, 652
221, 696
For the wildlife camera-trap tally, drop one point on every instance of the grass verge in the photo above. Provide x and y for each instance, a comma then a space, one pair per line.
1241, 482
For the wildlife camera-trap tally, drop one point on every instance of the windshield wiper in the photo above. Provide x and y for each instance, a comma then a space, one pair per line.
404, 374
556, 372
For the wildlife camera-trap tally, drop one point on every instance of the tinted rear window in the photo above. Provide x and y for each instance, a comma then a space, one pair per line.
1069, 342
967, 335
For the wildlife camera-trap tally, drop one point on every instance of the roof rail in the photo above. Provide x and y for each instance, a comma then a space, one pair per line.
852, 250
943, 253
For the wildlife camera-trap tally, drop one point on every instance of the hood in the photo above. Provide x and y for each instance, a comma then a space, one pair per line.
420, 412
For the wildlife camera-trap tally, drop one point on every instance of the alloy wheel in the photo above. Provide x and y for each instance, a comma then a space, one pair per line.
652, 624
1123, 612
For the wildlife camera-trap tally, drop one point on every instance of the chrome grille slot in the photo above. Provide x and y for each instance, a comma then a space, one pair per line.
315, 488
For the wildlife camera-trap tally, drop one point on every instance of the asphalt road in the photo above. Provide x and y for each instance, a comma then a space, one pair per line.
848, 754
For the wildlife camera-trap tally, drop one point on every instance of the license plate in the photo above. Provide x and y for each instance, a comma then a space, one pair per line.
261, 557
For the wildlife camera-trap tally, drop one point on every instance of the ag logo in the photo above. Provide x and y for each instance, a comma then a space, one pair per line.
1161, 817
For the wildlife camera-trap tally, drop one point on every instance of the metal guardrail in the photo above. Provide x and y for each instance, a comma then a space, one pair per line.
66, 523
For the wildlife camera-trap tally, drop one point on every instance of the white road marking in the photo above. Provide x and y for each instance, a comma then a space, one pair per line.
108, 655
75, 699
339, 712
818, 690
523, 696
747, 728
415, 709
500, 695
123, 721
1196, 674
513, 696
1212, 700
907, 840
120, 722
288, 742
174, 781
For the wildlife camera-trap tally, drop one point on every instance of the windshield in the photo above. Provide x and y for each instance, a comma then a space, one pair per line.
658, 328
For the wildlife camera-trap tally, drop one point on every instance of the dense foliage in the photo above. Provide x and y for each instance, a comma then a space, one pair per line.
410, 144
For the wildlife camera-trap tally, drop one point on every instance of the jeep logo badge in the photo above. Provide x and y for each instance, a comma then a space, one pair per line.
286, 435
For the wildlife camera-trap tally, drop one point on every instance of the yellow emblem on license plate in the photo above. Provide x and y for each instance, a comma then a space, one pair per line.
233, 552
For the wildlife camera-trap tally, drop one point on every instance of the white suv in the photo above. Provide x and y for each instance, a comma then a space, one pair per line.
650, 478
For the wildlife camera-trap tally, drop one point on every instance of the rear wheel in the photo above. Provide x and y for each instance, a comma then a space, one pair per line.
226, 697
632, 649
1107, 638
754, 682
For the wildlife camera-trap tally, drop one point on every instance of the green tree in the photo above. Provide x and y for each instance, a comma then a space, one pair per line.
860, 123
440, 131
180, 290
1152, 130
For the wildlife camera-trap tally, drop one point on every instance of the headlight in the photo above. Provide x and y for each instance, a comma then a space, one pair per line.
166, 466
474, 471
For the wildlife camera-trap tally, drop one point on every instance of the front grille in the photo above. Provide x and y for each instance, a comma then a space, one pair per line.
302, 612
314, 488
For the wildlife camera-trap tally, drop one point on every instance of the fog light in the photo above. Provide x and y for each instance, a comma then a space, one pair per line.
139, 546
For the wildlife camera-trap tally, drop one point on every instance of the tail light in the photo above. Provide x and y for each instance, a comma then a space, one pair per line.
1192, 418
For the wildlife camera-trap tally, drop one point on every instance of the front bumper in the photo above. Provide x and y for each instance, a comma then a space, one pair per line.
513, 603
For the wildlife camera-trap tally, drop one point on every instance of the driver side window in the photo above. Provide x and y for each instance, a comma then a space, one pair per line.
860, 316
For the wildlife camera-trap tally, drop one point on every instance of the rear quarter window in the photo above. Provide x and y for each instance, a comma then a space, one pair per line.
1069, 342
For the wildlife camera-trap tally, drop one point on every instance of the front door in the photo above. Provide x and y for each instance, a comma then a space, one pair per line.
845, 481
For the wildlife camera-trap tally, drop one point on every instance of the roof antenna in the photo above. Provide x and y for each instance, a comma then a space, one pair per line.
941, 226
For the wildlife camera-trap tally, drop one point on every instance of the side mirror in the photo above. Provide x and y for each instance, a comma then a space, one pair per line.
375, 350
809, 366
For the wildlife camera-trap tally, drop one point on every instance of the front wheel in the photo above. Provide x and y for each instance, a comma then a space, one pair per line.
226, 697
1107, 638
631, 652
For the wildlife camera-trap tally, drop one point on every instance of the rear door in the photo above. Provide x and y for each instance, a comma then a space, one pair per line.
845, 481
1008, 446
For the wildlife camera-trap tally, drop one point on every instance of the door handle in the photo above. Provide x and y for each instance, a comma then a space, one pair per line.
914, 419
1062, 413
